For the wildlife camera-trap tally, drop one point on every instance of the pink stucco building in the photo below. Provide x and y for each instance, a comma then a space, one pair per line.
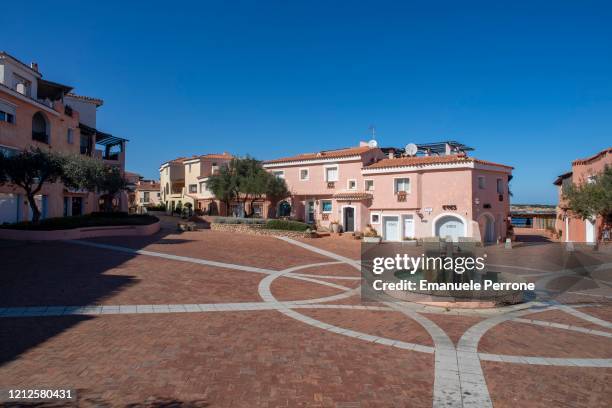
440, 192
571, 227
38, 113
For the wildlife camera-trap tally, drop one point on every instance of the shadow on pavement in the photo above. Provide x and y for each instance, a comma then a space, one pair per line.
55, 273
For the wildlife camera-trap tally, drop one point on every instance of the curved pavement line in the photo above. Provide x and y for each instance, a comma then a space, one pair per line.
267, 296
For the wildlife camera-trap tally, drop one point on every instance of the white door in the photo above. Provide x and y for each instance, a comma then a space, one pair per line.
590, 230
9, 206
449, 227
391, 230
408, 226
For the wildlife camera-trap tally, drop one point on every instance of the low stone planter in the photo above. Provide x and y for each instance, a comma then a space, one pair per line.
255, 229
80, 233
410, 242
372, 240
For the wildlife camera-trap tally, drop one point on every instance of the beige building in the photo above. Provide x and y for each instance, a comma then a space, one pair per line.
147, 195
183, 181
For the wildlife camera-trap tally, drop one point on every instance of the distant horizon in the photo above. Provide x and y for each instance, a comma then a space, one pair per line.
525, 84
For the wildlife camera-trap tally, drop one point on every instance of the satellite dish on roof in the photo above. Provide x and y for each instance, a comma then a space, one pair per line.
373, 143
411, 149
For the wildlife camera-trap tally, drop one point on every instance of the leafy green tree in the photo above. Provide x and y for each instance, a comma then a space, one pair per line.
252, 182
246, 180
80, 172
224, 184
593, 198
111, 182
276, 190
31, 170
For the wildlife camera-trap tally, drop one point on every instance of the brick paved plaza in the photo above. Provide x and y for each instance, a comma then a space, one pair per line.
211, 318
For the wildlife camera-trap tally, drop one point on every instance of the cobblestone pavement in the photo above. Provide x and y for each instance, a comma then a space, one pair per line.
216, 319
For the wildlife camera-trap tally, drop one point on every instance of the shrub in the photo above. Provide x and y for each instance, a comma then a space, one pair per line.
286, 225
158, 207
238, 220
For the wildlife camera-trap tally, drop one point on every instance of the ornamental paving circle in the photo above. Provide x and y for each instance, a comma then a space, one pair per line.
215, 319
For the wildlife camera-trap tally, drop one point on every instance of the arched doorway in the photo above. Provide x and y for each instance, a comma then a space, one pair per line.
487, 228
40, 128
284, 209
450, 227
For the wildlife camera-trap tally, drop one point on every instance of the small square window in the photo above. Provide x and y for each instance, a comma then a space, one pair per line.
481, 182
279, 174
326, 206
331, 174
369, 185
352, 184
304, 174
193, 188
402, 185
374, 218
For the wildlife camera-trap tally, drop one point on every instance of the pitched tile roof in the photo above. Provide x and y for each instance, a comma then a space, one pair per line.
148, 186
325, 154
427, 160
96, 101
352, 195
592, 158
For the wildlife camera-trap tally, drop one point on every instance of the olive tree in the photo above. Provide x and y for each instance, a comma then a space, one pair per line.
30, 170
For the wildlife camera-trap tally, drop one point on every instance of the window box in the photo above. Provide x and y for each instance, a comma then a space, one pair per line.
331, 184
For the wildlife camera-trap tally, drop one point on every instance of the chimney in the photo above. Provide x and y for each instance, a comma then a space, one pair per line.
362, 143
391, 154
34, 66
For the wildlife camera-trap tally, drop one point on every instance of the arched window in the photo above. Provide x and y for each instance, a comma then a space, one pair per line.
40, 128
284, 209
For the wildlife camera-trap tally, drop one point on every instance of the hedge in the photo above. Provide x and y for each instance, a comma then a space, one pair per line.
286, 225
83, 221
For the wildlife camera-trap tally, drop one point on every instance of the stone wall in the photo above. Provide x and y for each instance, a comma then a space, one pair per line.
257, 230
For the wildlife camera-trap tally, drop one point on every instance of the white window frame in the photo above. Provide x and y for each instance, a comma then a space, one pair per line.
189, 189
278, 173
377, 214
307, 174
395, 190
365, 185
332, 166
332, 207
484, 183
348, 184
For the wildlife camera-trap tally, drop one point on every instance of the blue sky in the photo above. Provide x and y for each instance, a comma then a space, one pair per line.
526, 83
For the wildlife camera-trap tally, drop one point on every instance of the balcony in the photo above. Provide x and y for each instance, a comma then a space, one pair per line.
401, 196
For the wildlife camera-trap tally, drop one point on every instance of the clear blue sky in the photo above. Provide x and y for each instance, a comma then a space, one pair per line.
526, 84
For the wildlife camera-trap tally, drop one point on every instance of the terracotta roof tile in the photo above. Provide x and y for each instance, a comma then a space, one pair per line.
426, 160
97, 101
352, 195
148, 186
325, 154
592, 158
